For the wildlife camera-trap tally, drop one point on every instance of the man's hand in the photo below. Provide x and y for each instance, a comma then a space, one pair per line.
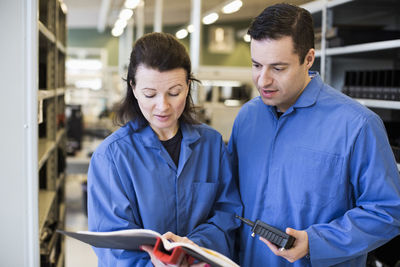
299, 249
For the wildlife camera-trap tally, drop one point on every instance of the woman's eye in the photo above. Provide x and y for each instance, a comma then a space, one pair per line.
148, 95
174, 93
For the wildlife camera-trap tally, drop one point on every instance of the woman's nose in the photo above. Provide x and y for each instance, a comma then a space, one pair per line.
162, 103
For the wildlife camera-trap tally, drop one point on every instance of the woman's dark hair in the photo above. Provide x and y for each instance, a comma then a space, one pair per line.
162, 52
282, 20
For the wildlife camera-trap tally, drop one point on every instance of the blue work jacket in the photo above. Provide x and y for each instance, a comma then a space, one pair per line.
134, 183
325, 166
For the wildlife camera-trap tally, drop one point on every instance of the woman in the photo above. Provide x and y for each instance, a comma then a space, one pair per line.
162, 170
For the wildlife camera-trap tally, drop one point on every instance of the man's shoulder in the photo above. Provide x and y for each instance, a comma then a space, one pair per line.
349, 108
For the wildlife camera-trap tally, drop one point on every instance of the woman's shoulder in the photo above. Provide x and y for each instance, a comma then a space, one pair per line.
206, 130
118, 136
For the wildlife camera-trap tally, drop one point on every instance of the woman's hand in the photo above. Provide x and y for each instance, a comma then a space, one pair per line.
176, 238
156, 262
173, 238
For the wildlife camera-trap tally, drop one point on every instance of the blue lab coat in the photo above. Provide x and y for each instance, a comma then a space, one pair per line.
325, 166
134, 183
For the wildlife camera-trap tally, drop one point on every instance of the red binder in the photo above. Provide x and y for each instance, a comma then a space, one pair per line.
173, 257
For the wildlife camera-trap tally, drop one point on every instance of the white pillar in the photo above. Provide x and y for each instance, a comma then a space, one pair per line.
19, 231
124, 48
140, 20
323, 40
195, 38
158, 16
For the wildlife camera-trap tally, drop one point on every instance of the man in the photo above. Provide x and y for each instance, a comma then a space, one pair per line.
309, 160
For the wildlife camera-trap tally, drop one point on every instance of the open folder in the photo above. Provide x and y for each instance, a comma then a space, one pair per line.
166, 251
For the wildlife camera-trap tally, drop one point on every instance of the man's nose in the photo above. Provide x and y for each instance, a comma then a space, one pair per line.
265, 79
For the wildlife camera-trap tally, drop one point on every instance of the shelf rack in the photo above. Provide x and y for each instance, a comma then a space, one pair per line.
334, 12
51, 130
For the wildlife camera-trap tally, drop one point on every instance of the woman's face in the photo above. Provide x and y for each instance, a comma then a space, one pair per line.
161, 97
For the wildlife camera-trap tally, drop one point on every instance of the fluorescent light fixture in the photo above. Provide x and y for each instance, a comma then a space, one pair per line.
221, 83
126, 14
210, 18
132, 4
190, 28
232, 103
117, 31
181, 34
232, 7
94, 84
84, 64
247, 38
120, 24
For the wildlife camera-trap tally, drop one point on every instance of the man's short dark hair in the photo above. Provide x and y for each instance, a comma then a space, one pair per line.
282, 20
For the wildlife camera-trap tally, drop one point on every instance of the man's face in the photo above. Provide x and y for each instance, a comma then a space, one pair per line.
277, 72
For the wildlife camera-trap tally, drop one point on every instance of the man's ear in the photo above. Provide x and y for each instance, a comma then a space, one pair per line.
310, 57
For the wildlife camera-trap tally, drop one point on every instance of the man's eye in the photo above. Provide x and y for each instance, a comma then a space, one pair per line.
278, 69
256, 65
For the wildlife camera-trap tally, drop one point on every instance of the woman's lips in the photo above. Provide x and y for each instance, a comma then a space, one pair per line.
162, 118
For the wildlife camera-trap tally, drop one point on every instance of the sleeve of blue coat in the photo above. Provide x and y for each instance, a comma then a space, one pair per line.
109, 210
218, 233
375, 218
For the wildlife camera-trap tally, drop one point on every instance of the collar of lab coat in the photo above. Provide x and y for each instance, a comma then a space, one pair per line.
308, 97
149, 138
310, 94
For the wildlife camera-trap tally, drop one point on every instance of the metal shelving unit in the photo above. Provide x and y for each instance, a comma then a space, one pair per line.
335, 61
51, 130
373, 103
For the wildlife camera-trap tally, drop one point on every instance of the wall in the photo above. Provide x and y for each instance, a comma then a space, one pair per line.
92, 38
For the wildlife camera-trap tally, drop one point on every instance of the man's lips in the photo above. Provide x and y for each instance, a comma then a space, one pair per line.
268, 93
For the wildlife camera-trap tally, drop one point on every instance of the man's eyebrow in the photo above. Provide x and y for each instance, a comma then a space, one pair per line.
279, 64
273, 64
252, 60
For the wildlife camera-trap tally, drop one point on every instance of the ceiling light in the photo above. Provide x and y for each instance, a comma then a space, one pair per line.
190, 28
125, 14
120, 24
132, 4
210, 18
232, 7
94, 84
117, 31
181, 34
84, 64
